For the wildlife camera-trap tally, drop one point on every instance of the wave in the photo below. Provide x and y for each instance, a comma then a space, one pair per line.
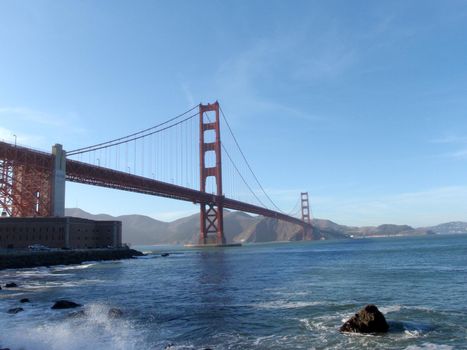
285, 304
429, 346
84, 265
390, 308
94, 330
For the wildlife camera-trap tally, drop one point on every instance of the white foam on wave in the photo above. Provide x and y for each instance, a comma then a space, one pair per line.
41, 270
14, 275
315, 324
41, 285
413, 333
74, 267
95, 330
261, 340
419, 308
41, 278
285, 304
228, 341
429, 346
178, 347
273, 342
390, 308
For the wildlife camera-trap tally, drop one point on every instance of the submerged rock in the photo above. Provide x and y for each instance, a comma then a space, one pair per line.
24, 300
11, 285
165, 254
65, 304
115, 313
367, 320
15, 310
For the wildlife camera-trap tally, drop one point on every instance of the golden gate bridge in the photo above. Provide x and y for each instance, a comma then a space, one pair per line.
181, 158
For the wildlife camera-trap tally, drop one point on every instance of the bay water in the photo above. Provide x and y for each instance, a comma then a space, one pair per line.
259, 296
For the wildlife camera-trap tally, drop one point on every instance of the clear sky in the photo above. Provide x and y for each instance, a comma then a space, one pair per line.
361, 103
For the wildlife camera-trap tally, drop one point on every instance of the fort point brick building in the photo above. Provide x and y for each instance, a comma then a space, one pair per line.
59, 232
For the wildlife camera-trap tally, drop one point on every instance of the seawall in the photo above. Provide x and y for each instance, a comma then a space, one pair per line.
23, 259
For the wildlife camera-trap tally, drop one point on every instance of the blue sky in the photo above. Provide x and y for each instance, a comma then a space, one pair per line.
361, 103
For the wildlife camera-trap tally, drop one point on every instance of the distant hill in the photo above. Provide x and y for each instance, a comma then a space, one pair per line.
238, 226
450, 228
140, 229
388, 230
241, 227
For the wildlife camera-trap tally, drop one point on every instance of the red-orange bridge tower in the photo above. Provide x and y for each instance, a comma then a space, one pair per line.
32, 183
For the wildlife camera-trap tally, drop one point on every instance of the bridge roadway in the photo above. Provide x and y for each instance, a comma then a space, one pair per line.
89, 174
99, 176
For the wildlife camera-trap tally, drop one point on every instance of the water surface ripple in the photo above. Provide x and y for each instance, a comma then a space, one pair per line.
262, 296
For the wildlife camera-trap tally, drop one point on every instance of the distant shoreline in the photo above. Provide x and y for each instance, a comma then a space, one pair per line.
11, 259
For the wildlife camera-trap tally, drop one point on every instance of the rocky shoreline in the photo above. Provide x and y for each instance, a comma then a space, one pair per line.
24, 259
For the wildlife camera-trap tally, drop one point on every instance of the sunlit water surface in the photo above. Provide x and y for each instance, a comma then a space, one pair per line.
262, 296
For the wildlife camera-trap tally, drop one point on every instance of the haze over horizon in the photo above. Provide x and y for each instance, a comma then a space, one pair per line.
78, 212
361, 104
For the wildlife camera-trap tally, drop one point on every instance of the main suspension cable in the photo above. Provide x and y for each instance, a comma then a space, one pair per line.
127, 139
238, 171
246, 161
93, 147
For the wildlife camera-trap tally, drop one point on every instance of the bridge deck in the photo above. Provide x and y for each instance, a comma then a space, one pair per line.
99, 176
104, 177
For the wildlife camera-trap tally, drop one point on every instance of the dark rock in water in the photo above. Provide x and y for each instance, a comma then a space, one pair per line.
77, 314
367, 320
65, 304
15, 310
11, 285
115, 313
24, 300
165, 254
4, 348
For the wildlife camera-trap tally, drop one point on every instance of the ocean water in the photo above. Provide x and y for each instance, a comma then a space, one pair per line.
261, 296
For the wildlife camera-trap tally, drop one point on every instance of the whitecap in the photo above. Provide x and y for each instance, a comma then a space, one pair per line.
285, 304
390, 308
260, 340
74, 267
93, 331
413, 333
314, 324
419, 308
429, 346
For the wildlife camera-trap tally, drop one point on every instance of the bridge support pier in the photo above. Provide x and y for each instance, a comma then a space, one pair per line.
212, 224
58, 180
211, 214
